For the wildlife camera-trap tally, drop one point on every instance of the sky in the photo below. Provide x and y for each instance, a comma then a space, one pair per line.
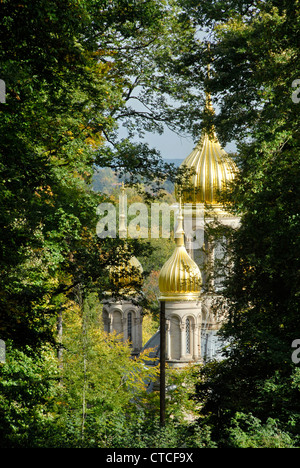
172, 146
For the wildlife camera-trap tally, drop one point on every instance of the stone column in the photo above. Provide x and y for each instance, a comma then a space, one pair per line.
168, 340
182, 341
194, 330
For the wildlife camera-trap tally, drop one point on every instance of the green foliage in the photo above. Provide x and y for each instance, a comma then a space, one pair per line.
180, 384
99, 380
248, 432
28, 388
74, 72
149, 434
254, 59
96, 397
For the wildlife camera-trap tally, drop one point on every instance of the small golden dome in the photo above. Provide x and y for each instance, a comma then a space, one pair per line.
180, 278
213, 171
127, 275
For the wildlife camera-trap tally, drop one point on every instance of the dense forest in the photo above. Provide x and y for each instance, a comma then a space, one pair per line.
74, 73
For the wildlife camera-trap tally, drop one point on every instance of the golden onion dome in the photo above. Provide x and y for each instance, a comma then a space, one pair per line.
180, 278
126, 275
212, 171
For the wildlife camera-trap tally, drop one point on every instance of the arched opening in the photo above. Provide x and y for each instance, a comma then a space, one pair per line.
175, 348
129, 326
106, 323
188, 336
117, 322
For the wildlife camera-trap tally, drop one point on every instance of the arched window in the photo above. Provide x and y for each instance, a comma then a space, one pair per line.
175, 338
117, 322
129, 326
188, 336
106, 321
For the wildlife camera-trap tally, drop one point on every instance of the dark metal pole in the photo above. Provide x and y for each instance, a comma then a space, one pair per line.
162, 363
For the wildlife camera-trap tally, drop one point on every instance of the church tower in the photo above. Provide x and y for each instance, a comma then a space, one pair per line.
212, 173
188, 282
123, 314
180, 287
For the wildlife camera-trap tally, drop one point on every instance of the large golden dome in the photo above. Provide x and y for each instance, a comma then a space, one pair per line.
213, 170
180, 278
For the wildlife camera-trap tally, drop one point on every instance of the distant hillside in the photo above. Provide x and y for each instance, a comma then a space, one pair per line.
105, 179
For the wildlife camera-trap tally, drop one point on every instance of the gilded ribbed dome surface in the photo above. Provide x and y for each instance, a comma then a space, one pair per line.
213, 171
180, 277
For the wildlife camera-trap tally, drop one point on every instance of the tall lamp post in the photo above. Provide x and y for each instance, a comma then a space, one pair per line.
162, 364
